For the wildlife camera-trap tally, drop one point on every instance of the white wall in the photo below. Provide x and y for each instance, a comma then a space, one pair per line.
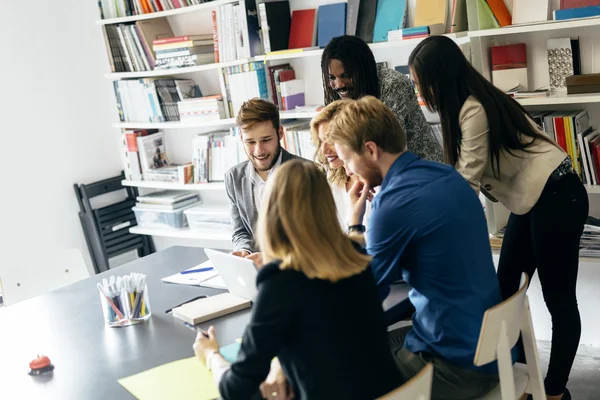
56, 111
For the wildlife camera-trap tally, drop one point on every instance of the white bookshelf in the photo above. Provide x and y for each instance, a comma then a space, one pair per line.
200, 187
307, 65
539, 27
222, 239
587, 98
283, 116
169, 13
113, 76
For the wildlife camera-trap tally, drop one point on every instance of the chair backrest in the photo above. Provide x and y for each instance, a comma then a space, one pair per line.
500, 330
30, 275
506, 315
417, 388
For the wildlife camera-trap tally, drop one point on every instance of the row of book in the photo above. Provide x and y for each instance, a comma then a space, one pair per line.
145, 158
183, 51
574, 134
125, 8
153, 99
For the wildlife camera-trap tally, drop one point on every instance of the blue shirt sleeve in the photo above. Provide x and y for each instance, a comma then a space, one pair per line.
388, 238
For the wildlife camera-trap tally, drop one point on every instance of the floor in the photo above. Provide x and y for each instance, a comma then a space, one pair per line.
584, 382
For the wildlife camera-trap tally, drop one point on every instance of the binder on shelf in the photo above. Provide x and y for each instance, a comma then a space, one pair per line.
332, 22
275, 21
303, 29
390, 16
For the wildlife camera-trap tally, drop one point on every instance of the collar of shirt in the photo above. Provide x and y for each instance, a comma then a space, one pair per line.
398, 166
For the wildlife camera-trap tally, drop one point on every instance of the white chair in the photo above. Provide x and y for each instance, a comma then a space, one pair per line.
24, 276
417, 388
500, 331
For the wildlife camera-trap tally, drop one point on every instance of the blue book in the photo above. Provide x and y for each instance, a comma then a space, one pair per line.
391, 16
583, 12
417, 30
332, 22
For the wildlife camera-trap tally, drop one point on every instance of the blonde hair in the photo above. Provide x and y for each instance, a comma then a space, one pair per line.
367, 120
255, 111
298, 225
337, 177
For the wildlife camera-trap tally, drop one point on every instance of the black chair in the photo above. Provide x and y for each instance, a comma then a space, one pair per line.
106, 229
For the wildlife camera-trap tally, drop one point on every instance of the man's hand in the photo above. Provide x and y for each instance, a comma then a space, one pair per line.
256, 258
240, 253
275, 387
359, 193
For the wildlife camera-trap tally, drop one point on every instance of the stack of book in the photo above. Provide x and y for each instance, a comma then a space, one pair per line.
183, 51
240, 83
208, 108
125, 8
215, 153
296, 139
292, 94
590, 240
167, 200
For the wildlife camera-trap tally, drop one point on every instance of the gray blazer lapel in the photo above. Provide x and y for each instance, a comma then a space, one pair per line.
248, 196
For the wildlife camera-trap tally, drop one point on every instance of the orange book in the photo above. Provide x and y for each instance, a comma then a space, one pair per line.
500, 12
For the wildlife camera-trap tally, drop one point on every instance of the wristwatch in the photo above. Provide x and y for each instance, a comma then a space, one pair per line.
357, 228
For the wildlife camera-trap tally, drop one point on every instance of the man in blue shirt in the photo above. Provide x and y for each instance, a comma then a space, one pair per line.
428, 227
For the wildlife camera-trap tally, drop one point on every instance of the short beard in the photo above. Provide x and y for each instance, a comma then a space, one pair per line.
372, 174
273, 162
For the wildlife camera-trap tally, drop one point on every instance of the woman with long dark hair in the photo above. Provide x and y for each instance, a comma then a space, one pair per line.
493, 142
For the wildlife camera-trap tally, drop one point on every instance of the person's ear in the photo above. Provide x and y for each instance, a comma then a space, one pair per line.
371, 151
280, 132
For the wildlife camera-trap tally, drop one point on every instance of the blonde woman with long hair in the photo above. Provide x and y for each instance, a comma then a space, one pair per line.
328, 161
317, 308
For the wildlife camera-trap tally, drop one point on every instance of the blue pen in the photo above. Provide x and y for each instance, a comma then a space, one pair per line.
193, 271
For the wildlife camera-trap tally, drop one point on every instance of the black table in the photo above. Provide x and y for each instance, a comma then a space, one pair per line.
67, 325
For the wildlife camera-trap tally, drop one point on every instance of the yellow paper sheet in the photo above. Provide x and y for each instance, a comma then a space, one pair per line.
181, 380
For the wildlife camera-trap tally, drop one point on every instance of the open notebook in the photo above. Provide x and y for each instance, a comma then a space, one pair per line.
209, 279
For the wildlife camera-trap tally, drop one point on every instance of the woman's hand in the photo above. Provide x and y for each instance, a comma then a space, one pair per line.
205, 346
240, 253
275, 387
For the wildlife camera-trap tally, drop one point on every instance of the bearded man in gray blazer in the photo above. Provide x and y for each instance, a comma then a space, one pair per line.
245, 182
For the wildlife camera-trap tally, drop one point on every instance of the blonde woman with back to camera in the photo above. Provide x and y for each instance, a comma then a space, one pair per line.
313, 289
328, 161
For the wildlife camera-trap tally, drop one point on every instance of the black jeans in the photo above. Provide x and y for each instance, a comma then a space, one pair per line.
547, 239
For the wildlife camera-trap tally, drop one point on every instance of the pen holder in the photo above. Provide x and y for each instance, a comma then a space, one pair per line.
124, 300
138, 306
115, 310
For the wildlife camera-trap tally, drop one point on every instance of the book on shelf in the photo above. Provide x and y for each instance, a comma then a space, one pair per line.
208, 108
129, 46
169, 207
297, 140
365, 24
126, 8
509, 66
480, 16
564, 4
458, 21
586, 83
563, 61
150, 99
331, 22
132, 165
152, 153
529, 11
249, 81
572, 13
174, 173
303, 29
390, 16
431, 12
275, 20
292, 94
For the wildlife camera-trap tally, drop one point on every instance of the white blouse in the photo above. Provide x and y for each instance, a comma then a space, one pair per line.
342, 202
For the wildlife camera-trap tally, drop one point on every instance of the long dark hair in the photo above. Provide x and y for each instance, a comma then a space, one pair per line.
446, 79
359, 64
